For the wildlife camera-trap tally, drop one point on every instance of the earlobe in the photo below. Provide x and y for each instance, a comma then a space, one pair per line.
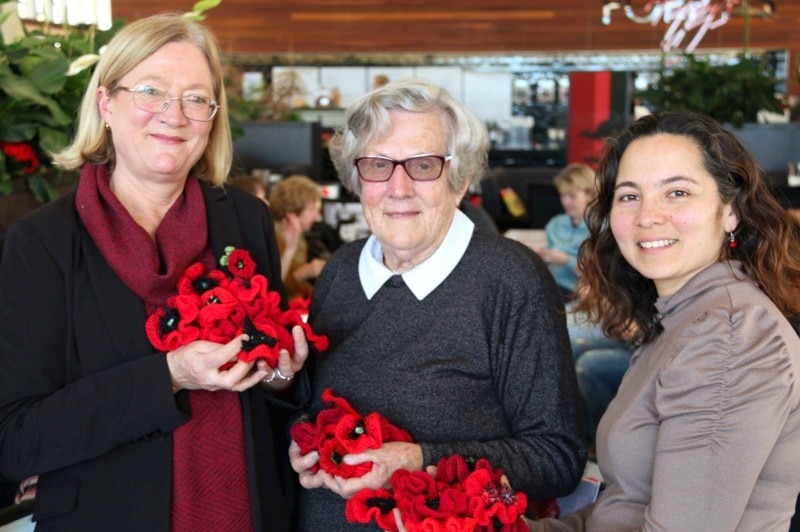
732, 223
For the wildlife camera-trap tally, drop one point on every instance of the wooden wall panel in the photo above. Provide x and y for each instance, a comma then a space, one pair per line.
270, 27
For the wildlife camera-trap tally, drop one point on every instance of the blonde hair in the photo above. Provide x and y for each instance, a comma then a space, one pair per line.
576, 177
292, 195
133, 44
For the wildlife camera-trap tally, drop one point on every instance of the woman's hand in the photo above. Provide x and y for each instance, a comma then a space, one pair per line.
386, 460
281, 377
302, 464
390, 457
196, 367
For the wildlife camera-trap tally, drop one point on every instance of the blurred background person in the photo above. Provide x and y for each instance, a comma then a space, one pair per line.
296, 202
566, 232
600, 361
124, 437
692, 259
455, 334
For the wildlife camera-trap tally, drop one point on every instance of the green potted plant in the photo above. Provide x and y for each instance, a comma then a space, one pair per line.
731, 93
734, 94
42, 78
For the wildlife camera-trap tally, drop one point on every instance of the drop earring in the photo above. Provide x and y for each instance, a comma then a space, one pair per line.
732, 243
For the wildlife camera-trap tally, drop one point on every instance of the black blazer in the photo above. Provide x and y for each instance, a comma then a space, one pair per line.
84, 399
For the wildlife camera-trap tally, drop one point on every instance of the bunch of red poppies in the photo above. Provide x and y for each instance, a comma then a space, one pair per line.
338, 430
464, 496
219, 305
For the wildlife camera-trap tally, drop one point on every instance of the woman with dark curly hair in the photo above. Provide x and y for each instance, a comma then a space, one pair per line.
691, 258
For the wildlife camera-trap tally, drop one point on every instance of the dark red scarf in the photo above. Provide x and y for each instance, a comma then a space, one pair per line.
209, 475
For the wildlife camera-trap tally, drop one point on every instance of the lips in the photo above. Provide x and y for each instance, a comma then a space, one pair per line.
655, 244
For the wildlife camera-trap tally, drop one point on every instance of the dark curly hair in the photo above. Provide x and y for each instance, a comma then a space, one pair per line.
619, 298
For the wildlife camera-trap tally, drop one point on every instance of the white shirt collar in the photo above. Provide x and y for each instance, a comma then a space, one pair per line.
425, 277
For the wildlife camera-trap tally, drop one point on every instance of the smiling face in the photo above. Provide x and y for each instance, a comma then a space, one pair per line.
667, 215
410, 218
159, 147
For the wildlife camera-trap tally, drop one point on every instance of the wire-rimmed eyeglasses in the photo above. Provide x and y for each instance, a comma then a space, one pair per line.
154, 100
419, 168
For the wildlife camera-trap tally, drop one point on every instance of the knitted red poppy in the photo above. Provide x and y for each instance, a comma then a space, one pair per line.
372, 505
338, 430
219, 305
465, 495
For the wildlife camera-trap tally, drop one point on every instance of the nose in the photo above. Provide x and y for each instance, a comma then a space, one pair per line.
650, 212
400, 183
174, 112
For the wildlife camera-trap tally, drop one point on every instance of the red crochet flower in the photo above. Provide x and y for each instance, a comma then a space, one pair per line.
331, 459
372, 505
465, 495
338, 430
218, 307
240, 264
167, 330
358, 434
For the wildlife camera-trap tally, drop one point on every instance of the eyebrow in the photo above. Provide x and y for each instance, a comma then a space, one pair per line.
160, 82
666, 181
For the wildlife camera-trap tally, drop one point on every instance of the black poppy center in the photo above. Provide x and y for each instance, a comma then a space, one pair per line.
257, 337
358, 430
432, 503
204, 284
169, 321
385, 505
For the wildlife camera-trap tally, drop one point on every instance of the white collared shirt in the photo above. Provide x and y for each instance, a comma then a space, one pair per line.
424, 277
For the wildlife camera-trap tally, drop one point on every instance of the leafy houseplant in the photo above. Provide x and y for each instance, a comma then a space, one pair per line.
43, 76
731, 93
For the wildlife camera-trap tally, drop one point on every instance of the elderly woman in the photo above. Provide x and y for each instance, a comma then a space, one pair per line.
123, 436
454, 334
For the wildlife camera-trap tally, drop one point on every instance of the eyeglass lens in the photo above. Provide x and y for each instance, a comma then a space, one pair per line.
421, 168
154, 100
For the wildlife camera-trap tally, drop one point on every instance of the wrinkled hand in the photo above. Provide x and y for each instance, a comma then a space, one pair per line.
302, 464
288, 365
196, 367
390, 457
386, 460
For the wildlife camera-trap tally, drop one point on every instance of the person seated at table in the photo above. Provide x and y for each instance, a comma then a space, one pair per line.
692, 259
422, 326
296, 202
566, 232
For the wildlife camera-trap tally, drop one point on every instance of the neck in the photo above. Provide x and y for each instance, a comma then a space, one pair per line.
147, 203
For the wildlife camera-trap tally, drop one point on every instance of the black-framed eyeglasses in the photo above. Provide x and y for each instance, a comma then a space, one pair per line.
154, 100
419, 168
